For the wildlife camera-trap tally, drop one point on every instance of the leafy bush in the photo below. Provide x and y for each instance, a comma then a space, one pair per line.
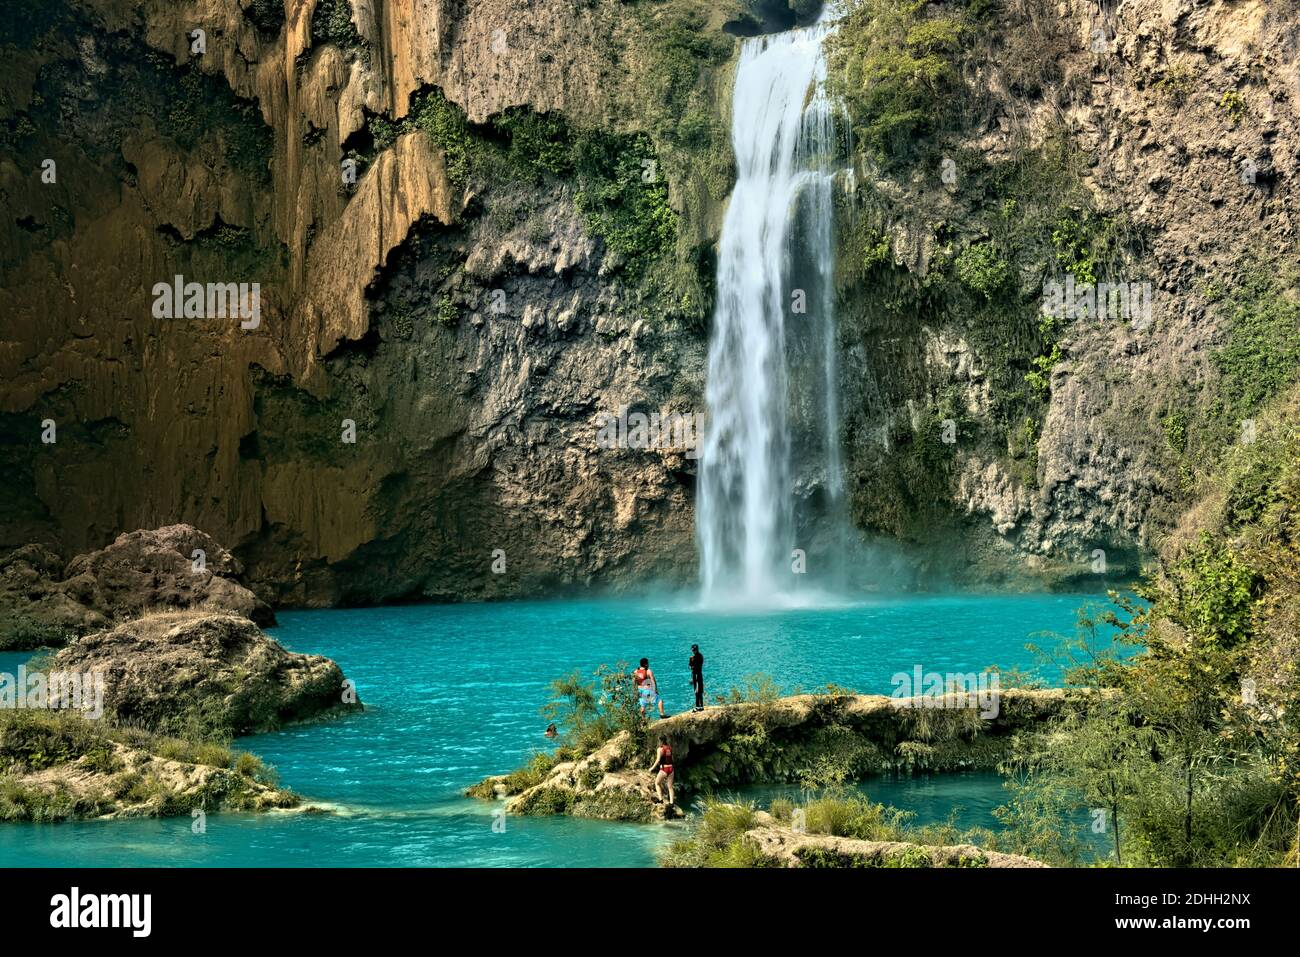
448, 313
331, 22
1211, 592
1234, 105
267, 15
982, 269
1261, 354
538, 141
590, 718
624, 199
894, 65
446, 125
1177, 83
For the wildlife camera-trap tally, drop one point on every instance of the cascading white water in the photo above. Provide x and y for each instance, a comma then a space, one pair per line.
782, 133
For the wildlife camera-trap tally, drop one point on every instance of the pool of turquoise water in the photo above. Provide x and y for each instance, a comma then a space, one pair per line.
452, 694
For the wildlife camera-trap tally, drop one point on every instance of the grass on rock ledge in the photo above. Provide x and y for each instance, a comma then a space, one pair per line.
718, 837
58, 765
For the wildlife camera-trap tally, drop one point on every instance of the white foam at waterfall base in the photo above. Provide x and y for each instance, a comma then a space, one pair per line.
781, 133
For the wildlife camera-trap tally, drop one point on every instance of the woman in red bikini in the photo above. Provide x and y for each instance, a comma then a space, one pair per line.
664, 765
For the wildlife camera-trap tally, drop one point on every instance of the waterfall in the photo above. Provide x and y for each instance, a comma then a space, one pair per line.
776, 254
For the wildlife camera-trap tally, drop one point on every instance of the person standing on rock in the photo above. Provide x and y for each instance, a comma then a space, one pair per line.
697, 676
647, 688
664, 765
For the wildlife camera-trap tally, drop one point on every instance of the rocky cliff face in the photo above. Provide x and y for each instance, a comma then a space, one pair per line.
528, 243
1136, 142
416, 406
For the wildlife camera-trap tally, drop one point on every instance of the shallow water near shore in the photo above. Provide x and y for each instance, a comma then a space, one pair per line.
452, 694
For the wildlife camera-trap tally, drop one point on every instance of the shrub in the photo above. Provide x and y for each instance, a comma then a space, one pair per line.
624, 198
448, 313
331, 22
717, 839
545, 801
531, 774
895, 68
445, 124
781, 809
1234, 105
1177, 83
757, 688
856, 817
981, 269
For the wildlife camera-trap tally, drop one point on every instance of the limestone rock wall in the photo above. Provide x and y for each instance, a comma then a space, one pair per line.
475, 434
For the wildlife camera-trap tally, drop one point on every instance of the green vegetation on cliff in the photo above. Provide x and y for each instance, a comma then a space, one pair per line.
617, 183
1193, 760
896, 69
331, 22
945, 233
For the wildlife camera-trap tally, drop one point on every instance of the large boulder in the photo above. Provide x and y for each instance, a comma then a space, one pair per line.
43, 602
34, 610
195, 674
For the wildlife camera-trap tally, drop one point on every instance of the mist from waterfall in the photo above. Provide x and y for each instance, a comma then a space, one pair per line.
775, 268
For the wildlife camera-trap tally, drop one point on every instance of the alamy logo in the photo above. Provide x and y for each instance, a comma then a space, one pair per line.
1101, 300
955, 691
179, 299
59, 690
134, 911
676, 431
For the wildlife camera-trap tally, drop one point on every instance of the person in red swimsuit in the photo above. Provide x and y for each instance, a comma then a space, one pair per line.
664, 765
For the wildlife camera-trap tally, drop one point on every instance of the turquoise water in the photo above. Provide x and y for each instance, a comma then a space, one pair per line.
452, 695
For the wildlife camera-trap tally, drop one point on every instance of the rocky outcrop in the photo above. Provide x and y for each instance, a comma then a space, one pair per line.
603, 785
1186, 118
44, 602
473, 427
121, 781
477, 472
197, 673
56, 766
786, 847
782, 740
